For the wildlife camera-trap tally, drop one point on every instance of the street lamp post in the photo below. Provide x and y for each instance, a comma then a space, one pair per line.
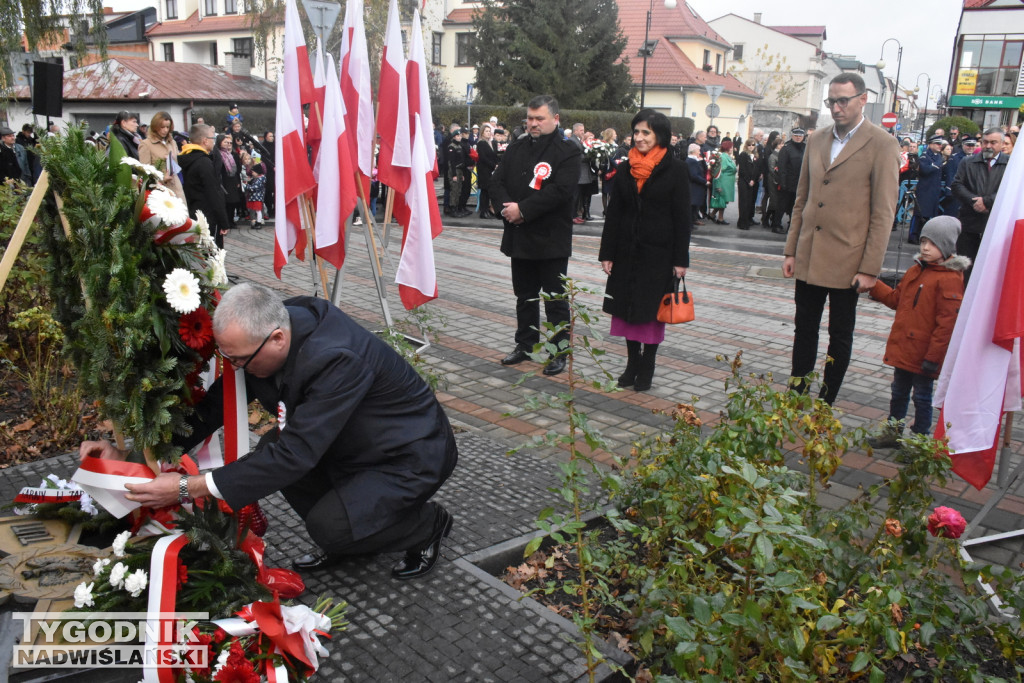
899, 63
927, 94
647, 49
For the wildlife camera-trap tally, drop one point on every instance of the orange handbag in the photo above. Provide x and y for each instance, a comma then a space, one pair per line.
676, 307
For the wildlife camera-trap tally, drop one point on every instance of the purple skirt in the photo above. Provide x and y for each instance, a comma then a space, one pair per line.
645, 333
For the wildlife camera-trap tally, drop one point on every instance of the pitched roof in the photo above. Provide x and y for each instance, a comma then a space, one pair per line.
462, 15
140, 79
668, 66
195, 24
801, 30
975, 4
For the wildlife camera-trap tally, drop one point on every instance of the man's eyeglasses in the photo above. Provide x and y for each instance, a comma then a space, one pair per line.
248, 359
841, 101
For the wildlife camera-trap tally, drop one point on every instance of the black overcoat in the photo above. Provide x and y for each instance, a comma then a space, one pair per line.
645, 234
354, 413
487, 161
546, 232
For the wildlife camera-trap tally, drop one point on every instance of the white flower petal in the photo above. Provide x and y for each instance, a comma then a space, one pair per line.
182, 290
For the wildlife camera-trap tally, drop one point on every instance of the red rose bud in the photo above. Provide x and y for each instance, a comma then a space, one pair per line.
946, 522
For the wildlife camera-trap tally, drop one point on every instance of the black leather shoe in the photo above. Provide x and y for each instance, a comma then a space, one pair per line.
518, 355
417, 563
555, 366
315, 560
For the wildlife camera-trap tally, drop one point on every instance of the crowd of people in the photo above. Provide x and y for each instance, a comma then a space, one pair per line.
228, 175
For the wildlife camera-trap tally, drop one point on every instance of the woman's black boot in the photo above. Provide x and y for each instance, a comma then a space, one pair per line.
632, 364
645, 373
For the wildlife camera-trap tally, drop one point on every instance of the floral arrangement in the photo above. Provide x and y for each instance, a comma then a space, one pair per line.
83, 505
598, 153
714, 163
135, 281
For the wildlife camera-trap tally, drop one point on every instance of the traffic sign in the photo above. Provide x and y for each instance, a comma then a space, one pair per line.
899, 126
889, 119
714, 91
712, 110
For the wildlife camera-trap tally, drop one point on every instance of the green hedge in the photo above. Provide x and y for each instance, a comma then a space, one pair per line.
595, 121
966, 126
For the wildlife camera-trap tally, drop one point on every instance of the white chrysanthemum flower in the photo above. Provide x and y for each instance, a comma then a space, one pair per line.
83, 595
98, 566
222, 660
117, 574
85, 502
145, 168
24, 510
182, 289
218, 272
131, 161
168, 207
136, 583
119, 543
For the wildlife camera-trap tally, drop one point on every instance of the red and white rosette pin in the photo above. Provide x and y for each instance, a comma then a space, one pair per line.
540, 172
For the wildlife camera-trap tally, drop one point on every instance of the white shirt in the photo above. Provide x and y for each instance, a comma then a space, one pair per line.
838, 143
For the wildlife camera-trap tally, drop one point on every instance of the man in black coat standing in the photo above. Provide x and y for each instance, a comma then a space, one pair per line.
361, 445
203, 190
791, 156
535, 184
698, 181
975, 185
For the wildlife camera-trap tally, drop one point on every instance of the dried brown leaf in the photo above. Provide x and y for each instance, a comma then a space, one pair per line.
24, 426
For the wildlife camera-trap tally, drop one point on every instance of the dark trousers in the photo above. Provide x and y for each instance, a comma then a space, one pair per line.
745, 203
320, 506
903, 381
529, 278
842, 314
967, 244
786, 201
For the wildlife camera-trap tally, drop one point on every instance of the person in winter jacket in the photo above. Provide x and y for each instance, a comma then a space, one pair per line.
927, 301
203, 190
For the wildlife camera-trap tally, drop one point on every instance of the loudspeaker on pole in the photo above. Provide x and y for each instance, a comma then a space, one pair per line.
48, 89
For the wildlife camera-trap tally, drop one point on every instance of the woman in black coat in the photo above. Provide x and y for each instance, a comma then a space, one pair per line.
646, 242
229, 168
749, 171
487, 161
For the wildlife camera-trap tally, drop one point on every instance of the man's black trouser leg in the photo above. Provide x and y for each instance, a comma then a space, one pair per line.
529, 278
810, 303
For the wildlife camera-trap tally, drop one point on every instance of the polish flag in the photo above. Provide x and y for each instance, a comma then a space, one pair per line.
357, 92
294, 178
297, 74
337, 181
419, 92
416, 277
981, 375
314, 129
395, 159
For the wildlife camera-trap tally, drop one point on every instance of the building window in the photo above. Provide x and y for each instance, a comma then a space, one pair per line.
463, 44
737, 53
172, 9
707, 58
435, 48
168, 52
718, 64
213, 53
243, 46
989, 67
210, 9
230, 6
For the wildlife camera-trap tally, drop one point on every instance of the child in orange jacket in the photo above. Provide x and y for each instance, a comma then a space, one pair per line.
927, 301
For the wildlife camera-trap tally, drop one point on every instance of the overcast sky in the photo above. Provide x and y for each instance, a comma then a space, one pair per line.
927, 30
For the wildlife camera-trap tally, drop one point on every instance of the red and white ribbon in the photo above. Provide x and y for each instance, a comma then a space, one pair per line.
236, 416
30, 494
163, 594
540, 172
209, 455
104, 480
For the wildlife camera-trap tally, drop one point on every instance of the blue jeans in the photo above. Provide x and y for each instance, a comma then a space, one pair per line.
902, 383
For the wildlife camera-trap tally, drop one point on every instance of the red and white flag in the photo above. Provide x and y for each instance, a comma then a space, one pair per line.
357, 92
298, 76
981, 375
337, 181
419, 92
314, 129
416, 277
395, 159
294, 178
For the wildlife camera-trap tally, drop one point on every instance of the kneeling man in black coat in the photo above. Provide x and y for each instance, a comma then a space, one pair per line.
361, 445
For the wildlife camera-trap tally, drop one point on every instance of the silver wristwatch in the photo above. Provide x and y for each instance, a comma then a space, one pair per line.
183, 496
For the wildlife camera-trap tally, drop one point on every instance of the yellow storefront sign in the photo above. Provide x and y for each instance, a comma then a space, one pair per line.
966, 80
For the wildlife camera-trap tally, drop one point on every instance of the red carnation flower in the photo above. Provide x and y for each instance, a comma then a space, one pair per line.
182, 575
196, 328
238, 673
946, 522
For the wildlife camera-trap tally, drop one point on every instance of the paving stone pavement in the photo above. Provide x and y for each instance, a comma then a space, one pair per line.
454, 625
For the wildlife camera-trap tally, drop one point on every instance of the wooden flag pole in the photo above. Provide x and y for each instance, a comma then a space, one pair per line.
316, 264
35, 200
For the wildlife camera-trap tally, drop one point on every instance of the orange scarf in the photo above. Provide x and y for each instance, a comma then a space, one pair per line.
641, 165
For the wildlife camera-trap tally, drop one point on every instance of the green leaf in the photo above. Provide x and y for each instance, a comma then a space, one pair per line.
828, 622
877, 675
892, 640
927, 633
532, 546
701, 610
860, 661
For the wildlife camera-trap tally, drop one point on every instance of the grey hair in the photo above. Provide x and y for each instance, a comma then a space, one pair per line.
993, 131
694, 147
256, 309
